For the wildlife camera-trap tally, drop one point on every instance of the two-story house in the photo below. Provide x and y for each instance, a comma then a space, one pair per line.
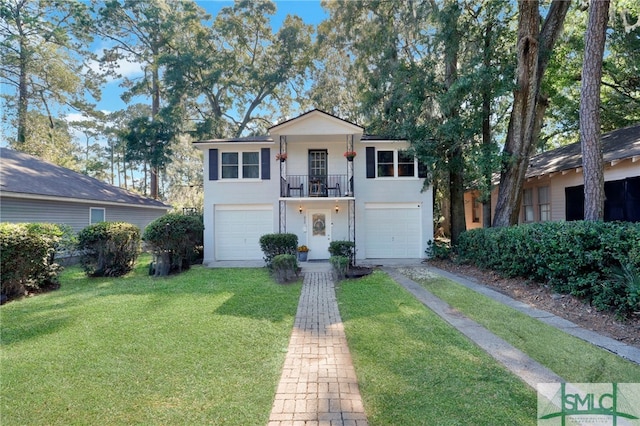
302, 178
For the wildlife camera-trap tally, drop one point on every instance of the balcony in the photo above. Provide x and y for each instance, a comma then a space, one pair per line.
303, 186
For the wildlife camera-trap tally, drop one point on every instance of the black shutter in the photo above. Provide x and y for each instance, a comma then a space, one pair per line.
614, 200
423, 172
574, 199
265, 157
213, 164
632, 199
371, 162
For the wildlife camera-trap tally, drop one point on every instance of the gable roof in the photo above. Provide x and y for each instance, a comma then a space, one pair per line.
322, 123
25, 176
616, 145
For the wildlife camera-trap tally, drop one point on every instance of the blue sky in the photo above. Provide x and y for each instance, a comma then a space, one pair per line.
309, 10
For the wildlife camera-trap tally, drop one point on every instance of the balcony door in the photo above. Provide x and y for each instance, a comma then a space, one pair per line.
318, 172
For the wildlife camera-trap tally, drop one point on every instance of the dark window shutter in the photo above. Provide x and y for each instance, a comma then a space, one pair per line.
423, 172
614, 200
371, 162
632, 199
213, 164
574, 199
265, 157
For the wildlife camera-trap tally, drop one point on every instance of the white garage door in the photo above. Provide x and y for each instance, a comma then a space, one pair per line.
238, 230
393, 231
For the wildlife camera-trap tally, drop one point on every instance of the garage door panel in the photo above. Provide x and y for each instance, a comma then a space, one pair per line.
238, 232
397, 233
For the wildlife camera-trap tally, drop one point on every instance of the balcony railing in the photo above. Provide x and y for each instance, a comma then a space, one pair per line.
302, 186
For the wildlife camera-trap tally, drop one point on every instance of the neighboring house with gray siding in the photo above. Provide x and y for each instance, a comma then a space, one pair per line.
33, 190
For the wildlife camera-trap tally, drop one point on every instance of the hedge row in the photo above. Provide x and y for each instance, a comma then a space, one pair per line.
597, 261
109, 249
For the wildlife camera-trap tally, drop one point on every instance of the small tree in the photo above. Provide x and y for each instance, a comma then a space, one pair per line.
175, 241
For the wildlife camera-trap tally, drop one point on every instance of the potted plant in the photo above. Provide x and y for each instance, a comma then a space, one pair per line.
303, 251
282, 156
350, 155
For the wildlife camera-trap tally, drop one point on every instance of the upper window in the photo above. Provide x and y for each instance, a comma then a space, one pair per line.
240, 165
395, 164
96, 215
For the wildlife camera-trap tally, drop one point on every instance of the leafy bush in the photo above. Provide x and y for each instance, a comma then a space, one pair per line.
275, 244
285, 267
27, 254
109, 249
572, 257
438, 249
176, 242
340, 266
343, 249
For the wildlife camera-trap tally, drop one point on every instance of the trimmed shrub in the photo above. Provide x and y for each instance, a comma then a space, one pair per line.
275, 244
340, 266
109, 249
578, 258
27, 254
285, 267
343, 249
175, 241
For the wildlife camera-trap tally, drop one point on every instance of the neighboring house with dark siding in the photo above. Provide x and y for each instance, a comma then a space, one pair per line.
33, 190
554, 185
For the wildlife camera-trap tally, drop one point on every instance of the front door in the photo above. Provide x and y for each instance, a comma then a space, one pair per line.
319, 234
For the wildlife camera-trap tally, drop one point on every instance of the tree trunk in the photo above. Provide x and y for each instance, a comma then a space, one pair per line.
592, 163
450, 15
23, 94
155, 109
534, 50
487, 172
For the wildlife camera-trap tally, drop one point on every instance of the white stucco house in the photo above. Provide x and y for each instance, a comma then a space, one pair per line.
298, 179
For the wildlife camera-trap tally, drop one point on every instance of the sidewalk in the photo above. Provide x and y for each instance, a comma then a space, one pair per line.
318, 385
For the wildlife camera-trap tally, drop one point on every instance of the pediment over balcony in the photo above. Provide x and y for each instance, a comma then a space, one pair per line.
316, 122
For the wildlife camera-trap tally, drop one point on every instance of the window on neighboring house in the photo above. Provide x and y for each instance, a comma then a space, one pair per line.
544, 204
96, 215
527, 205
232, 161
475, 208
395, 164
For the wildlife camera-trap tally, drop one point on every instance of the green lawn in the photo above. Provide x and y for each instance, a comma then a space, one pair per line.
414, 369
203, 347
573, 359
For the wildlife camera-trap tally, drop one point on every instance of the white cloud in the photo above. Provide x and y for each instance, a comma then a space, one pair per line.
123, 67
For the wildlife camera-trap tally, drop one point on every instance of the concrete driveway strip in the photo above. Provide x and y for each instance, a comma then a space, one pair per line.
628, 352
516, 361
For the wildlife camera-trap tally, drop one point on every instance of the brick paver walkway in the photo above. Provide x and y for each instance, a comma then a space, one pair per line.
318, 384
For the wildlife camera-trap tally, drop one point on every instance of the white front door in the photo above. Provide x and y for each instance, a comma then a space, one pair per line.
319, 234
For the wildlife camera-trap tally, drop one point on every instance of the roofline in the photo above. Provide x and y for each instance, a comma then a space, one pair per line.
267, 139
310, 112
26, 196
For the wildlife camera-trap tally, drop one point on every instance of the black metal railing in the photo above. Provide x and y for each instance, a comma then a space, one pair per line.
302, 186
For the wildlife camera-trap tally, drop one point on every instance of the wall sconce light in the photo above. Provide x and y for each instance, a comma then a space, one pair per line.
337, 208
300, 209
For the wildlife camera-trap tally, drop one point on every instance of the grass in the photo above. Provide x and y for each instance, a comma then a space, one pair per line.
414, 369
573, 359
203, 347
